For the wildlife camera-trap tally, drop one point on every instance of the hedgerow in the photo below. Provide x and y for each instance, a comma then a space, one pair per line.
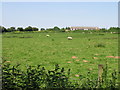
37, 77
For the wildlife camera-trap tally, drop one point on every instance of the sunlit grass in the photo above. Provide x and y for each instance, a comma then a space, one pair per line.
89, 50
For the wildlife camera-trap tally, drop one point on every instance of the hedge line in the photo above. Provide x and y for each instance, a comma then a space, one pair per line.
37, 77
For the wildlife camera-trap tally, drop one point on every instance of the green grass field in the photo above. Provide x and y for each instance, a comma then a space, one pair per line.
35, 48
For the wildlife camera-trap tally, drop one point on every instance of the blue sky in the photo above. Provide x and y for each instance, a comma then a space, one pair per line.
61, 14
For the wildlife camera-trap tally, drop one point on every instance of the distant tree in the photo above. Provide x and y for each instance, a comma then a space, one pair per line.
29, 28
68, 28
114, 29
11, 29
42, 29
20, 29
49, 29
62, 30
35, 29
103, 29
2, 29
56, 28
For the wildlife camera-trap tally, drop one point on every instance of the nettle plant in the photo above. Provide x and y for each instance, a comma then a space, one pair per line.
89, 81
57, 78
34, 77
37, 77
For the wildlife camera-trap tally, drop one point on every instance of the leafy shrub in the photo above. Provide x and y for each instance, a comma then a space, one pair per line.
57, 78
37, 77
33, 77
91, 82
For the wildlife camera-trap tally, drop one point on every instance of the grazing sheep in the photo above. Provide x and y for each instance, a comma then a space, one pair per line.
69, 38
47, 35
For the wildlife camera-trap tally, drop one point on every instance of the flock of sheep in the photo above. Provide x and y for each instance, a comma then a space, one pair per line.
69, 38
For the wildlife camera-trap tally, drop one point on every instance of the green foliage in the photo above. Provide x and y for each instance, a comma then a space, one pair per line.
67, 28
29, 28
20, 29
11, 29
114, 29
42, 29
2, 29
36, 77
34, 29
56, 28
62, 30
57, 78
89, 81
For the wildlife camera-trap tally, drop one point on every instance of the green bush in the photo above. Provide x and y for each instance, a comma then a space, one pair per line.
37, 77
33, 77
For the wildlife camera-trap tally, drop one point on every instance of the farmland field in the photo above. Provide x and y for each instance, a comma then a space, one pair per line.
82, 54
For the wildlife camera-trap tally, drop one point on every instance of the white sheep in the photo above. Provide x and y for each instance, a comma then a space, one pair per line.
47, 35
69, 38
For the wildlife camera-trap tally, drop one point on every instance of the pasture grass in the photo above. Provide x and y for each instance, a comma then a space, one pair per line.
35, 48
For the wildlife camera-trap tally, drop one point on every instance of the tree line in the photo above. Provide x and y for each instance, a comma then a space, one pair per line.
12, 29
29, 28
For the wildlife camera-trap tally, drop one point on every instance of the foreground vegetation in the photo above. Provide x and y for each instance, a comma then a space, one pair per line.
38, 77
